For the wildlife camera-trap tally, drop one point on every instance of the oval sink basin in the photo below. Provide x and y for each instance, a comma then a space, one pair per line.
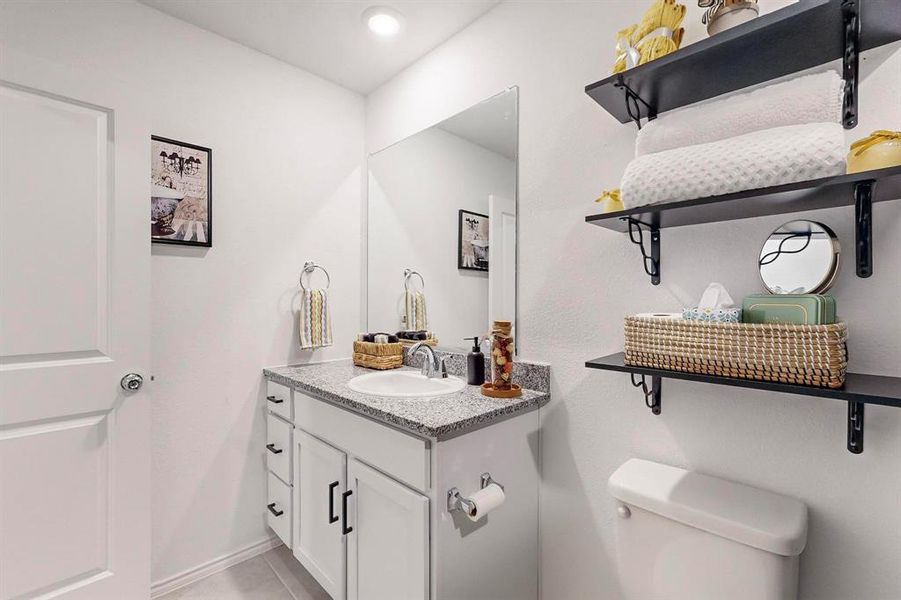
404, 384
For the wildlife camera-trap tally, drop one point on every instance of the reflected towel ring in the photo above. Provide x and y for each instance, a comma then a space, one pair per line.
308, 268
408, 273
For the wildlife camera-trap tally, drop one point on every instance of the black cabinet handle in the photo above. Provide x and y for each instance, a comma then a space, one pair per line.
273, 449
275, 400
274, 511
344, 528
332, 517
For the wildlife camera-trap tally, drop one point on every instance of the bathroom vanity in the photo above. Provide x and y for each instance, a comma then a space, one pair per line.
359, 485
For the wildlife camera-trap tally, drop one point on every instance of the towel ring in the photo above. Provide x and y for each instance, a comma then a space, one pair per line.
408, 273
308, 268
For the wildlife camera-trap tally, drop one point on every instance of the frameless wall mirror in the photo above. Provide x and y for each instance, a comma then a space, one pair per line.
800, 257
442, 226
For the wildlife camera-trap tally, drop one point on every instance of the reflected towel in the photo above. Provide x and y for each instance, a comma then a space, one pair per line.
415, 314
809, 99
746, 162
314, 322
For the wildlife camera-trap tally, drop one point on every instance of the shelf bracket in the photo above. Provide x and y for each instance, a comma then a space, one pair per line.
863, 227
652, 395
634, 104
650, 259
851, 22
855, 427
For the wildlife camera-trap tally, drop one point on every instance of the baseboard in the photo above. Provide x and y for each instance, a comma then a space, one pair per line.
216, 565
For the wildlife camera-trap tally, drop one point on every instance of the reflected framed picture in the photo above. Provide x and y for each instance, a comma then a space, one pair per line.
181, 193
472, 241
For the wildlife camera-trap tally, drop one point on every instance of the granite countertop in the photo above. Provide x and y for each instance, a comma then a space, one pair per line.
438, 417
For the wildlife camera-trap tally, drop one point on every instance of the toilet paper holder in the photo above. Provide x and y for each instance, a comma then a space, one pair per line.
456, 500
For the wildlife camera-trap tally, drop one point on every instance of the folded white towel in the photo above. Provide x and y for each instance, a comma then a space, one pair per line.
808, 99
754, 160
314, 320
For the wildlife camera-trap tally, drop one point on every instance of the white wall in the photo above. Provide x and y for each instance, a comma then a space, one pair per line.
578, 281
287, 155
416, 189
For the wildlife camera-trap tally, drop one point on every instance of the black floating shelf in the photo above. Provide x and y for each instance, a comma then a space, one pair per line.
797, 37
859, 389
829, 192
859, 190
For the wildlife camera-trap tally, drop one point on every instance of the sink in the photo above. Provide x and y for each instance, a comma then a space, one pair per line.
404, 384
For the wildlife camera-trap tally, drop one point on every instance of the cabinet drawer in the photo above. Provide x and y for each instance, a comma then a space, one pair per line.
278, 448
278, 509
278, 400
403, 456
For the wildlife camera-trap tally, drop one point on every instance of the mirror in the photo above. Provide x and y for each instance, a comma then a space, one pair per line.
441, 249
800, 257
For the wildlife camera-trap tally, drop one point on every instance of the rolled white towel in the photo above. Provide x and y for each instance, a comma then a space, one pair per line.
754, 160
809, 99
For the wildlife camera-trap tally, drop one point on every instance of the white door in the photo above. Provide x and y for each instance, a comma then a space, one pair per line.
74, 319
319, 486
388, 549
502, 257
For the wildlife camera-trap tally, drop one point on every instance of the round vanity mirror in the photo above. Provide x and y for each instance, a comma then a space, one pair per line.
800, 257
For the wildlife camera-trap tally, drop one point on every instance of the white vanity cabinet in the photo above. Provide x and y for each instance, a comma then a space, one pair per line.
279, 429
388, 550
320, 476
368, 512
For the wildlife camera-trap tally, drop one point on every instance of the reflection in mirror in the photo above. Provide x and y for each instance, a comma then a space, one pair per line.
442, 205
800, 257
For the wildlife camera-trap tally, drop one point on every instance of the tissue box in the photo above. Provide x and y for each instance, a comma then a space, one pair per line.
714, 315
794, 309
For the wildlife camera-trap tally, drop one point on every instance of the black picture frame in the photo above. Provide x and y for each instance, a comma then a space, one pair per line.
478, 265
197, 228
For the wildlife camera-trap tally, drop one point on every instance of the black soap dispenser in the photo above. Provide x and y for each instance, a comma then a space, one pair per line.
475, 363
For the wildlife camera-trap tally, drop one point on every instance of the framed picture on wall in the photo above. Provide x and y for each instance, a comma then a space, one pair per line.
472, 241
181, 199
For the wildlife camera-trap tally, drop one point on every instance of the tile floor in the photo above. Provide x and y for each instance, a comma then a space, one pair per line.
275, 575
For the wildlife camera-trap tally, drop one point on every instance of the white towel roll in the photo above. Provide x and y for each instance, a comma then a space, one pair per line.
755, 160
808, 99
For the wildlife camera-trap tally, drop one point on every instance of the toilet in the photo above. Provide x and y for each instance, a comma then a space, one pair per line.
681, 535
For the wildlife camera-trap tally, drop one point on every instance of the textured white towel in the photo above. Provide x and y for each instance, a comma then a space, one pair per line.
314, 321
754, 160
809, 99
416, 318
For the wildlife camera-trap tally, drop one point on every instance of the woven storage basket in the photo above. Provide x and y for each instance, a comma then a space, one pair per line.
378, 356
812, 355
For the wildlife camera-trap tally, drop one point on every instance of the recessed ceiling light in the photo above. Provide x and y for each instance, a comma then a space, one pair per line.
383, 21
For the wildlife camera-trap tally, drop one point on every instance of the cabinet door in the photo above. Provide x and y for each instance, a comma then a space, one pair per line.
388, 549
319, 480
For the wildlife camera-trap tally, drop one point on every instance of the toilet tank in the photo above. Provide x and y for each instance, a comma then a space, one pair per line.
682, 535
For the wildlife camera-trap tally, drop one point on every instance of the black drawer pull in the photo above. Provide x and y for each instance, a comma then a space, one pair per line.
332, 517
274, 511
273, 449
344, 528
275, 400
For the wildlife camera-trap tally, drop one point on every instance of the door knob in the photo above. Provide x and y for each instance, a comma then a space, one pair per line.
132, 382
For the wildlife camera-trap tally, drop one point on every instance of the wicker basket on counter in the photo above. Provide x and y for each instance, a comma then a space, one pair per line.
812, 355
378, 356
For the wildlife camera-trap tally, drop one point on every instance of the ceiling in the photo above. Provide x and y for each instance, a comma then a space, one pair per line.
328, 37
491, 124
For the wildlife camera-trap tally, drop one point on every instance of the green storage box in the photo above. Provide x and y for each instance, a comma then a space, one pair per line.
795, 309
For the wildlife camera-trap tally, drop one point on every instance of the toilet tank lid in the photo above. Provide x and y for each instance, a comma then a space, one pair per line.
738, 512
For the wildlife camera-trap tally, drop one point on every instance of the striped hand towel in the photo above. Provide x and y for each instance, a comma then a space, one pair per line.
415, 315
315, 323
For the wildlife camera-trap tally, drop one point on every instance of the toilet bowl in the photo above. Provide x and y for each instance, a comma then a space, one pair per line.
683, 535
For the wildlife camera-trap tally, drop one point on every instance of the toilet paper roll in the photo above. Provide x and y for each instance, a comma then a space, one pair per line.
485, 500
659, 315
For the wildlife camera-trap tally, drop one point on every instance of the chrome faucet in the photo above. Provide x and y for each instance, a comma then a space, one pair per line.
432, 366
